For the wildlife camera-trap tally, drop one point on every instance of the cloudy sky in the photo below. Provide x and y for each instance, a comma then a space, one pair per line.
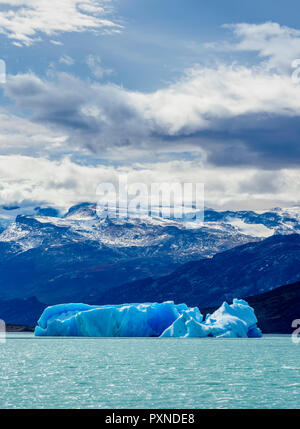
171, 90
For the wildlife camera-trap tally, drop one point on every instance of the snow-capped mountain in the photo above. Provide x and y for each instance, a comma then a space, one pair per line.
275, 221
265, 224
8, 214
77, 256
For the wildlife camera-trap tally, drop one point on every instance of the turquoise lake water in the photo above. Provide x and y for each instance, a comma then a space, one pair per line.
149, 373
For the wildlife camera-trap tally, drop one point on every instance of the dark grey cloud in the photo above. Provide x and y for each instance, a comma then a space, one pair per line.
103, 118
94, 117
271, 141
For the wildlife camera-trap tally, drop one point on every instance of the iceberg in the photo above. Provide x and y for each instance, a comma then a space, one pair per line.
165, 319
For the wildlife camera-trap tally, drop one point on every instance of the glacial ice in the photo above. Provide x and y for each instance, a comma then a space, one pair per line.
148, 320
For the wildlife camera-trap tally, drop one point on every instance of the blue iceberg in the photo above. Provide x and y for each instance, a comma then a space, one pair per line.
148, 320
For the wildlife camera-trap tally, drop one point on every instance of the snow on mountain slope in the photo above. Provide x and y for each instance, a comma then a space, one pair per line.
79, 255
252, 229
83, 219
81, 223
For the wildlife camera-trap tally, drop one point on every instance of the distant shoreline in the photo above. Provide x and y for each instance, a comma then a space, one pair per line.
25, 328
19, 328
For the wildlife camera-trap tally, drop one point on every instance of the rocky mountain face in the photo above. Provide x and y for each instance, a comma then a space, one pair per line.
78, 256
246, 270
21, 311
276, 310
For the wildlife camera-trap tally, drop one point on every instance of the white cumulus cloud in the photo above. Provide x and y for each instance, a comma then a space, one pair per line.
276, 44
61, 183
26, 21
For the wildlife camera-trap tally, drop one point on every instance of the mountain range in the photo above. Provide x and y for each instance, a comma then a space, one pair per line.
51, 257
246, 270
78, 255
275, 310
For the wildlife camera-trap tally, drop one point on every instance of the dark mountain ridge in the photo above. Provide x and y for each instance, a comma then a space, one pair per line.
246, 270
275, 310
78, 256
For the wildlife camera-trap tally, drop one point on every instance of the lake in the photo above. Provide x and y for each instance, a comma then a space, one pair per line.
149, 373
